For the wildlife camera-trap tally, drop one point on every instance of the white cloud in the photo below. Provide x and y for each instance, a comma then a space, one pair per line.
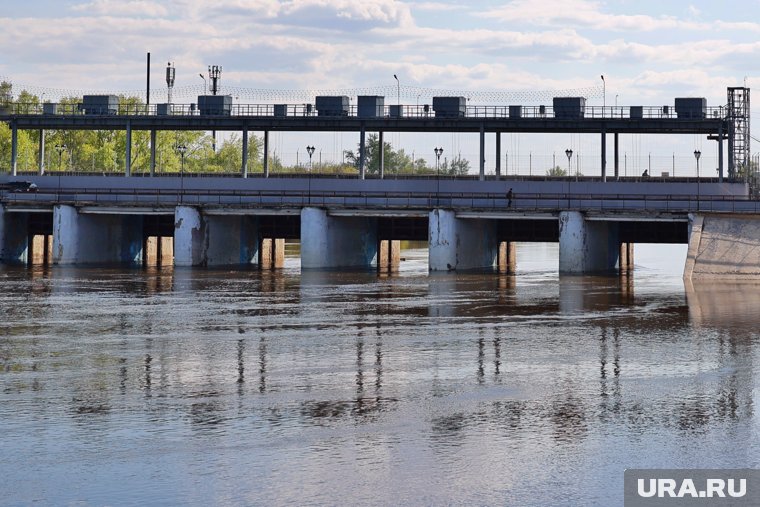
122, 8
581, 13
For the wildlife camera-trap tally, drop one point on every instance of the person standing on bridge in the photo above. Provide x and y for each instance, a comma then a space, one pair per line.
509, 198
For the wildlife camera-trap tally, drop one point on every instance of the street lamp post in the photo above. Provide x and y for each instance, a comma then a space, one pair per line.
569, 154
204, 82
697, 154
182, 149
604, 94
60, 148
438, 152
398, 90
310, 151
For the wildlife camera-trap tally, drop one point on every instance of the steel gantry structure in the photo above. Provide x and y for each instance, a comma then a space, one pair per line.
719, 123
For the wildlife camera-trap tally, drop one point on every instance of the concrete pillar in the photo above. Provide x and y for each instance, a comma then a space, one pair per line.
14, 237
720, 153
507, 257
586, 246
389, 256
14, 148
498, 155
272, 253
731, 168
244, 166
604, 155
153, 152
457, 244
96, 239
166, 250
337, 242
65, 234
617, 156
482, 152
189, 237
41, 154
626, 257
230, 240
382, 155
362, 152
266, 154
128, 155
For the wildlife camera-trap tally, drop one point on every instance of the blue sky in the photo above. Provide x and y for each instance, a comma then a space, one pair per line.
649, 52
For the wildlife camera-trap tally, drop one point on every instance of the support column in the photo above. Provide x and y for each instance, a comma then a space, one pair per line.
389, 256
507, 257
617, 157
498, 155
128, 159
604, 155
244, 166
96, 238
482, 152
720, 153
14, 148
230, 240
586, 246
337, 242
14, 237
272, 253
731, 168
382, 155
189, 237
362, 152
460, 244
626, 258
65, 234
153, 152
266, 154
41, 154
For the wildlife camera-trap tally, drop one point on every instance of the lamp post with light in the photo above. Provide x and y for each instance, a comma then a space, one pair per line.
310, 151
569, 154
60, 148
697, 154
181, 149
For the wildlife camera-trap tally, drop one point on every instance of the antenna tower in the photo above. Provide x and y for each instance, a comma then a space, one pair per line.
215, 74
170, 80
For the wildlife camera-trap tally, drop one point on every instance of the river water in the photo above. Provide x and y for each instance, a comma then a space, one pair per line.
216, 387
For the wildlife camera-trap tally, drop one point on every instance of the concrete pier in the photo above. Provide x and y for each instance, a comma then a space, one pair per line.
329, 242
460, 244
625, 264
272, 253
586, 246
14, 237
97, 238
389, 256
507, 261
723, 247
231, 240
189, 237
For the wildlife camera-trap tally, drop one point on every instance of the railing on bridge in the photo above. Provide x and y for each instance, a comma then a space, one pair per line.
408, 111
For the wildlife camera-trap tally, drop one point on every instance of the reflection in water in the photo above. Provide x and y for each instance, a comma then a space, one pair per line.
410, 389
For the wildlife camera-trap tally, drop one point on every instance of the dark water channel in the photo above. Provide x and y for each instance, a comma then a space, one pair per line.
214, 387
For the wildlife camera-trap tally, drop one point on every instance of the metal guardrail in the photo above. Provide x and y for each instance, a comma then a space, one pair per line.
668, 203
408, 111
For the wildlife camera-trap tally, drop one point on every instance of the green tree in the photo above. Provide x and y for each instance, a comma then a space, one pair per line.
396, 161
556, 171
